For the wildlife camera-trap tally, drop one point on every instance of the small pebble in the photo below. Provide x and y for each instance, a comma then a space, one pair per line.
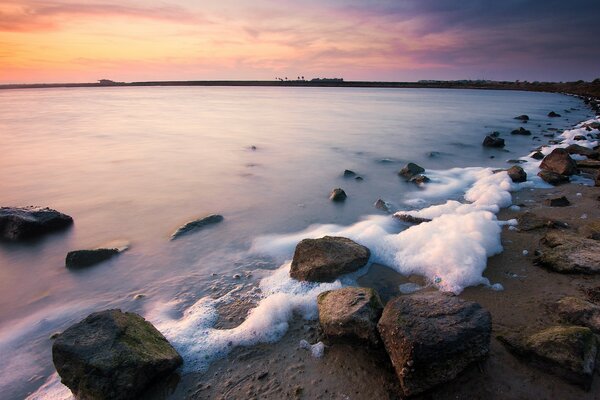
237, 276
525, 252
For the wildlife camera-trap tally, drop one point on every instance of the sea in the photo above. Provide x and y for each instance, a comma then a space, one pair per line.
131, 165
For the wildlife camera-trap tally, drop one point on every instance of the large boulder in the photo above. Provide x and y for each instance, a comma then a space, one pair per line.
493, 141
567, 253
431, 337
517, 174
566, 351
350, 312
324, 259
196, 225
577, 311
22, 223
559, 161
410, 170
112, 355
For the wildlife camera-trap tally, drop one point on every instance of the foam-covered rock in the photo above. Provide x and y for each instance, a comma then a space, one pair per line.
431, 337
112, 355
197, 225
567, 253
325, 259
517, 174
22, 223
350, 312
577, 311
566, 351
559, 161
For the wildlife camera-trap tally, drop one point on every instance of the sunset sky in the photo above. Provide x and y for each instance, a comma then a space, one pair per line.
136, 40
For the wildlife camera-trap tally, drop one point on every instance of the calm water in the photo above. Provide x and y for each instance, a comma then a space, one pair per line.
135, 163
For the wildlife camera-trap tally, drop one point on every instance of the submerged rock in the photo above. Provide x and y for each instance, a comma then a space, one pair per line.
22, 223
348, 173
324, 259
553, 178
567, 253
196, 225
112, 355
579, 312
566, 351
383, 206
410, 170
337, 194
559, 161
350, 312
584, 151
552, 114
517, 174
493, 141
557, 202
86, 258
523, 117
431, 337
419, 179
521, 131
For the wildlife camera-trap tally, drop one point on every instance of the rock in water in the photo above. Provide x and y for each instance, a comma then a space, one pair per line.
431, 337
538, 155
517, 174
566, 351
324, 259
553, 178
552, 114
21, 223
112, 355
523, 117
351, 312
196, 225
349, 173
410, 170
579, 312
87, 258
419, 179
521, 131
568, 253
382, 205
559, 161
410, 219
492, 141
337, 194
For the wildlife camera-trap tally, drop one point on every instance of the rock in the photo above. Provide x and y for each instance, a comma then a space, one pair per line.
591, 164
552, 177
567, 253
410, 219
324, 259
491, 141
521, 131
348, 173
590, 230
579, 312
592, 125
337, 194
22, 223
566, 351
559, 161
515, 161
86, 258
350, 312
410, 170
557, 202
196, 225
552, 114
495, 134
529, 221
431, 337
584, 151
382, 205
517, 174
359, 178
579, 137
538, 155
523, 117
112, 355
419, 179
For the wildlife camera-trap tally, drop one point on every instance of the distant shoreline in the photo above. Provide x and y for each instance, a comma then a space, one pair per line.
581, 88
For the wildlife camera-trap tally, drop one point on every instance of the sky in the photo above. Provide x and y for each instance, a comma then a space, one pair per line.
375, 40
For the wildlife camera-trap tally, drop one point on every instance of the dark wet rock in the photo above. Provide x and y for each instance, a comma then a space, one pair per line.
591, 164
523, 117
359, 178
561, 201
112, 355
419, 179
591, 230
410, 219
349, 174
552, 114
529, 221
351, 312
337, 194
22, 223
253, 148
566, 253
434, 154
325, 259
592, 125
383, 206
538, 155
495, 134
517, 174
521, 131
196, 225
491, 141
580, 312
86, 258
410, 170
552, 177
579, 137
565, 351
517, 161
584, 151
431, 337
559, 161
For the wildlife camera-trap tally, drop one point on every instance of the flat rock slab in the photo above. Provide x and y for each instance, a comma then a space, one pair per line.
567, 253
325, 259
566, 351
196, 225
22, 223
577, 311
112, 355
351, 312
431, 337
529, 221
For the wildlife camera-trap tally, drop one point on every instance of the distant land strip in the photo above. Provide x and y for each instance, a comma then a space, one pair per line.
581, 88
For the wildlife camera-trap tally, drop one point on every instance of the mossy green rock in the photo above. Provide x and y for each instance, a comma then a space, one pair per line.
350, 312
112, 355
567, 253
566, 351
